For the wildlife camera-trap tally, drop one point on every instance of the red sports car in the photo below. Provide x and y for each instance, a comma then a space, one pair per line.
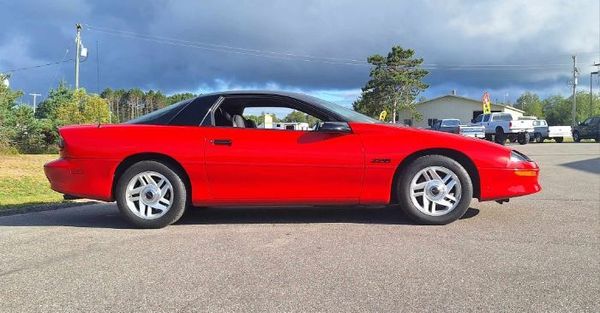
207, 151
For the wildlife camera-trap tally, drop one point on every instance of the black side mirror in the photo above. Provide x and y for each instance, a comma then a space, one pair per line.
335, 127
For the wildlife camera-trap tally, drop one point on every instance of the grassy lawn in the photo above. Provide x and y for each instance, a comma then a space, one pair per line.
23, 183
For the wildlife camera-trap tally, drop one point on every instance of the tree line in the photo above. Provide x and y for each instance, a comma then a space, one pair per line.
556, 109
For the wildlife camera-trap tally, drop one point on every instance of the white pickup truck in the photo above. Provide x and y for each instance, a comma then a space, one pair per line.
542, 131
501, 126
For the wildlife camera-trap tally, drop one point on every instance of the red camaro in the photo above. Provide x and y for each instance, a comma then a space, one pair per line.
208, 152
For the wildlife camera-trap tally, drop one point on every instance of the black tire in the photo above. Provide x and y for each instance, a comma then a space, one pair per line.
179, 197
500, 137
537, 137
576, 137
523, 138
403, 192
559, 139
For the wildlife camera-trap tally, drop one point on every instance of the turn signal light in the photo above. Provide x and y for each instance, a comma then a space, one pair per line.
528, 173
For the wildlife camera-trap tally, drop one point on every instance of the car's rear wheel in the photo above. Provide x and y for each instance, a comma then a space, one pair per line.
151, 194
558, 139
523, 138
500, 137
538, 138
434, 189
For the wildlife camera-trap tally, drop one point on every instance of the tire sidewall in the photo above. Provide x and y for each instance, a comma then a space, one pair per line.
180, 197
405, 177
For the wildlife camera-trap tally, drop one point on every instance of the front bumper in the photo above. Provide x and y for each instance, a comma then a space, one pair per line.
517, 180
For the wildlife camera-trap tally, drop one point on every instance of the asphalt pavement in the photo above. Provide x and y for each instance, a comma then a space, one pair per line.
535, 253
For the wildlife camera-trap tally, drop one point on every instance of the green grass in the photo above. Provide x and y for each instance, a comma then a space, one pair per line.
23, 183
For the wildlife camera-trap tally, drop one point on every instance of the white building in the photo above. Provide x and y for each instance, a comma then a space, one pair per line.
269, 124
452, 106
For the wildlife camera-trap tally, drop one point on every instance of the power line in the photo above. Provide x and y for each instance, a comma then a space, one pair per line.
218, 47
312, 58
35, 66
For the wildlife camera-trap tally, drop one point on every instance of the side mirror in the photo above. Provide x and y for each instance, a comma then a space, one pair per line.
334, 127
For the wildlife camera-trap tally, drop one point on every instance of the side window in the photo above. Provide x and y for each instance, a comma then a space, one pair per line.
280, 118
503, 117
588, 121
265, 112
486, 118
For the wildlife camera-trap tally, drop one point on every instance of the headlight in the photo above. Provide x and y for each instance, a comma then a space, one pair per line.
516, 156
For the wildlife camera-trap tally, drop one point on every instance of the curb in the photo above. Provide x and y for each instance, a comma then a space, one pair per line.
44, 207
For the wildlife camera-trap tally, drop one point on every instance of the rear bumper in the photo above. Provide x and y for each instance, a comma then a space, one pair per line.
81, 178
502, 183
474, 135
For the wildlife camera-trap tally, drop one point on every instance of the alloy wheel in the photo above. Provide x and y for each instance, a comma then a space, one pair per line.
435, 190
149, 195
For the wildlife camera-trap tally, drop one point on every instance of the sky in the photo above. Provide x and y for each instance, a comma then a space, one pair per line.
317, 47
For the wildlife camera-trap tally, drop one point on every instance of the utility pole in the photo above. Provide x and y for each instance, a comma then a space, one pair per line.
592, 94
574, 84
35, 95
77, 52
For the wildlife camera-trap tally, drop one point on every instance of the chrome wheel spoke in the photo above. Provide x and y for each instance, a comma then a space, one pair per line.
451, 184
433, 174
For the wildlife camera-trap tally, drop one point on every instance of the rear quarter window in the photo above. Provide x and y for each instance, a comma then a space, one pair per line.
194, 113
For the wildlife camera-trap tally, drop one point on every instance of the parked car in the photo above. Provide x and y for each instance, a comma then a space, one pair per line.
588, 129
452, 125
501, 126
204, 152
542, 132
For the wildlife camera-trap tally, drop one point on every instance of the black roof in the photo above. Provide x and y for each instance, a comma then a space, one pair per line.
257, 92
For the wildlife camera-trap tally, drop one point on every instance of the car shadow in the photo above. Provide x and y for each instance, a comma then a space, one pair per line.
303, 215
589, 165
107, 216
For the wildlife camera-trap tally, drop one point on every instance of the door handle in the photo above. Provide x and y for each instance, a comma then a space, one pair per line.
221, 142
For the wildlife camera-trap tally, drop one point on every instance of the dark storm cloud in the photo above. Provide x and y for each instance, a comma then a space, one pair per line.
442, 32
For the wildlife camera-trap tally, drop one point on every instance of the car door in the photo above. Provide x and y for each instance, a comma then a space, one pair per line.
283, 166
584, 129
593, 128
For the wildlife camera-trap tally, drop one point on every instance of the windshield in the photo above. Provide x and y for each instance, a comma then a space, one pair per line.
346, 113
450, 123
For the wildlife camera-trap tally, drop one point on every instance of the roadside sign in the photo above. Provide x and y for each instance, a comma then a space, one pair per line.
382, 115
487, 106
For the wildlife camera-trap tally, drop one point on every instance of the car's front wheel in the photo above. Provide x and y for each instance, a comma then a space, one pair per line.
434, 189
576, 137
151, 194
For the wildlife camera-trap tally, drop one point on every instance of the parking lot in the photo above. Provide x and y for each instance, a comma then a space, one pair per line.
537, 253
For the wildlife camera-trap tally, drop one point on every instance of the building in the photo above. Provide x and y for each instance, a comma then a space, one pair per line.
452, 106
269, 124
